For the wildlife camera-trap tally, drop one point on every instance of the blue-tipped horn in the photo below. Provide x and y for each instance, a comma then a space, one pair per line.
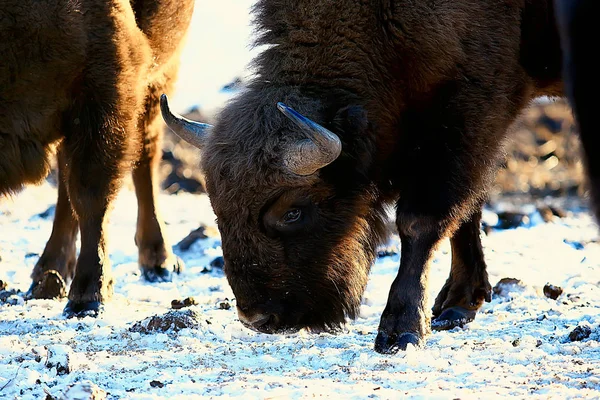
195, 133
320, 149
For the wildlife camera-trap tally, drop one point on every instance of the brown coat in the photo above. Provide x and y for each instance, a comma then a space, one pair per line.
84, 76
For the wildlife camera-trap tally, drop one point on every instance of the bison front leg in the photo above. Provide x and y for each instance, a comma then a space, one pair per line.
405, 319
156, 259
467, 286
60, 253
98, 149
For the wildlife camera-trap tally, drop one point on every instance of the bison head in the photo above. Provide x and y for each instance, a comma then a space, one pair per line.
299, 216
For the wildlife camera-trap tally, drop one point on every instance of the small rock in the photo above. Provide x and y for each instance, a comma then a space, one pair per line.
574, 244
173, 320
59, 357
218, 262
11, 298
157, 384
511, 220
387, 252
580, 333
48, 213
224, 305
573, 298
3, 285
550, 213
84, 390
552, 291
179, 304
192, 238
507, 285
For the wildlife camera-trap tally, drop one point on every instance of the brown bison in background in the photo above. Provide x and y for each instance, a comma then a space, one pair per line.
577, 27
397, 103
84, 77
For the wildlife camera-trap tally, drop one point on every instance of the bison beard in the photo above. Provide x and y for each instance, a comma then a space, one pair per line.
420, 95
85, 77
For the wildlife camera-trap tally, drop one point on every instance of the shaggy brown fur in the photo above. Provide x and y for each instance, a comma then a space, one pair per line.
421, 94
85, 76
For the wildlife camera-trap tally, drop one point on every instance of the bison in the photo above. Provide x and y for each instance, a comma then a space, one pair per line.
356, 106
576, 27
83, 78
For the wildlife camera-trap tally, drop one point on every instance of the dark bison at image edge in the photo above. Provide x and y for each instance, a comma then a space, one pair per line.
577, 27
356, 106
84, 78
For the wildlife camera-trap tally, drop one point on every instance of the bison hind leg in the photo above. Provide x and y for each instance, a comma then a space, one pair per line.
156, 259
57, 263
467, 286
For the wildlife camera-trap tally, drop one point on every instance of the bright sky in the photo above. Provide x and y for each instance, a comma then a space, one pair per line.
217, 50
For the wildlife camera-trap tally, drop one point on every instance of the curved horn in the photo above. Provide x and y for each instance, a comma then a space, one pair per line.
320, 149
193, 132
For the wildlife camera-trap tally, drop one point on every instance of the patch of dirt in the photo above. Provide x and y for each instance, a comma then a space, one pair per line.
507, 285
173, 320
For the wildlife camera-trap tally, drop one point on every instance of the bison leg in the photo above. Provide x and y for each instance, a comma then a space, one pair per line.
60, 252
156, 259
404, 319
451, 160
98, 149
467, 286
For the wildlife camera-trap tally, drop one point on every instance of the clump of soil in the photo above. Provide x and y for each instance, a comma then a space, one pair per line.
580, 333
179, 304
59, 357
8, 296
175, 320
192, 237
552, 292
224, 305
506, 286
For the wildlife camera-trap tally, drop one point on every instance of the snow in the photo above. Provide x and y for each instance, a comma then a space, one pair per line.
517, 346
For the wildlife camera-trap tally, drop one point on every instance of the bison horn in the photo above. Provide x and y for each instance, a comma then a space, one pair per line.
320, 149
193, 132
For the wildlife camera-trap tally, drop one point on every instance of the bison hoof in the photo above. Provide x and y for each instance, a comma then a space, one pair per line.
81, 310
391, 344
160, 273
51, 286
453, 317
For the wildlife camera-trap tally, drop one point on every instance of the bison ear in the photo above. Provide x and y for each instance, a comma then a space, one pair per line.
320, 148
195, 133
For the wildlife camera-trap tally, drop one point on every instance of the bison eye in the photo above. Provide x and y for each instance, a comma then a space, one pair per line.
292, 216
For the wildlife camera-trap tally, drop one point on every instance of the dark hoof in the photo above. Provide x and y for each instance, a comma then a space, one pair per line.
51, 286
157, 274
81, 310
161, 274
391, 344
453, 317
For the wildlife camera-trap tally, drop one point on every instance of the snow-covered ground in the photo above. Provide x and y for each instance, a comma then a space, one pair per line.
518, 345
